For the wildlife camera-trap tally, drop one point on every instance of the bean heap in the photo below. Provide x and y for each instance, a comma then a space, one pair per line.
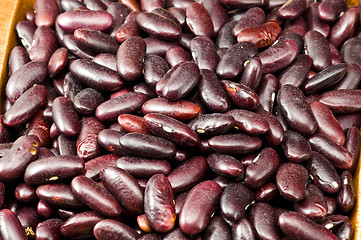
182, 119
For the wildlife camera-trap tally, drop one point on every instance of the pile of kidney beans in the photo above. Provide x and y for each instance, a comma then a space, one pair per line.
182, 119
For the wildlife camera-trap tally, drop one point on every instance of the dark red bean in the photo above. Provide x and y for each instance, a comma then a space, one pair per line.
49, 229
71, 86
44, 44
262, 169
235, 143
338, 102
59, 195
327, 123
295, 110
107, 60
349, 80
225, 165
251, 76
314, 205
264, 220
94, 196
296, 147
87, 100
204, 53
348, 50
129, 28
292, 9
231, 63
46, 12
266, 193
198, 207
69, 5
244, 97
314, 21
127, 103
291, 179
235, 199
23, 78
133, 123
77, 49
296, 225
188, 173
148, 6
332, 222
143, 167
278, 56
199, 20
24, 193
66, 145
10, 226
94, 166
96, 40
249, 122
154, 68
45, 210
243, 230
55, 168
95, 5
212, 124
119, 12
352, 144
159, 204
254, 16
124, 187
331, 10
225, 39
57, 61
109, 140
25, 31
72, 20
80, 225
266, 92
25, 106
175, 55
157, 46
109, 228
338, 155
346, 197
176, 233
345, 231
217, 229
23, 151
295, 73
318, 49
65, 116
17, 58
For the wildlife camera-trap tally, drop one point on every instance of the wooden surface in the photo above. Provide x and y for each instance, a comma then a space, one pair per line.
13, 11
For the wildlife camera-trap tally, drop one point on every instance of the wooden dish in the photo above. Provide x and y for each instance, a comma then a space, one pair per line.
13, 11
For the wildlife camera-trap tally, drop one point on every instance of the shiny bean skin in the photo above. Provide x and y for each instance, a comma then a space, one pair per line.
345, 231
179, 81
199, 20
266, 193
25, 31
295, 73
235, 199
264, 220
143, 167
59, 195
69, 5
198, 207
46, 12
176, 233
212, 93
292, 9
231, 63
212, 124
87, 100
65, 116
71, 86
249, 122
44, 44
23, 151
350, 49
96, 40
157, 46
109, 140
10, 226
80, 225
95, 5
331, 10
159, 203
338, 155
225, 165
338, 102
334, 221
327, 123
127, 103
94, 196
217, 229
266, 92
49, 229
109, 228
350, 79
241, 95
181, 110
235, 143
17, 58
148, 6
204, 53
175, 55
324, 79
352, 144
278, 56
97, 76
26, 106
318, 49
23, 78
314, 21
296, 147
132, 123
29, 219
171, 129
225, 39
57, 61
75, 19
293, 225
154, 68
262, 35
243, 230
252, 17
262, 169
124, 187
295, 110
346, 197
291, 179
55, 168
107, 60
251, 76
23, 192
77, 49
314, 206
94, 166
129, 28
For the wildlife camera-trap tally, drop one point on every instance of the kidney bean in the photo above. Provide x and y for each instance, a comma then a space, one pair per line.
66, 214
129, 28
23, 78
243, 230
314, 205
17, 58
23, 151
333, 222
96, 40
23, 193
49, 229
109, 228
294, 224
76, 48
338, 103
44, 44
65, 116
292, 9
338, 155
80, 225
225, 39
95, 5
107, 60
53, 168
69, 5
266, 92
25, 31
59, 195
266, 193
94, 166
295, 147
235, 143
46, 12
157, 46
314, 21
278, 56
244, 97
109, 139
352, 144
263, 218
154, 68
291, 180
176, 233
350, 79
331, 10
212, 124
87, 100
295, 73
261, 35
57, 61
75, 19
119, 11
217, 229
94, 196
199, 20
132, 123
252, 17
198, 207
10, 226
235, 199
346, 197
204, 53
150, 236
249, 122
345, 231
159, 204
348, 50
148, 6
251, 76
318, 49
66, 145
143, 167
225, 165
71, 86
124, 187
231, 63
